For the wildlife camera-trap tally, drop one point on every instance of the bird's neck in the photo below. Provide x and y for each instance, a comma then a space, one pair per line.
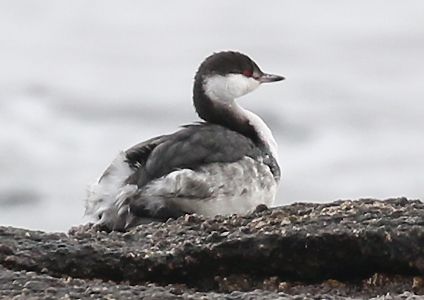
226, 112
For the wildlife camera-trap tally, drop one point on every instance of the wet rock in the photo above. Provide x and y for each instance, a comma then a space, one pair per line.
363, 248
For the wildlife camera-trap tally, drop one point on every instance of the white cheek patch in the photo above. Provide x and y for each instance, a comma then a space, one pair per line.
227, 88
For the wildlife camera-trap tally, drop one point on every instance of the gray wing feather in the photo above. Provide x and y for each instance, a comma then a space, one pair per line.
190, 147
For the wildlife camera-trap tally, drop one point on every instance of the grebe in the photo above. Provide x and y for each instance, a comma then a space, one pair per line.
224, 165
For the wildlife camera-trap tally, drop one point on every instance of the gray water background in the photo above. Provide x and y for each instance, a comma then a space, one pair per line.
80, 80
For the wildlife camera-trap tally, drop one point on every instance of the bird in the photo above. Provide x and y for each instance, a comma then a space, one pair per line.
224, 164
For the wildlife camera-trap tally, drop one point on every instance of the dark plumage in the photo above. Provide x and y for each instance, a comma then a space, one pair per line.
212, 143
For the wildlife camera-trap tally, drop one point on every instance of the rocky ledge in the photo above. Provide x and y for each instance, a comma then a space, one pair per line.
341, 250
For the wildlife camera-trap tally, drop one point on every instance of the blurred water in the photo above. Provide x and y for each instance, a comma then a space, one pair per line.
80, 80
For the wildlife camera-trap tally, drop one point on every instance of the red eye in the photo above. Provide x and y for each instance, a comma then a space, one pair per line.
247, 73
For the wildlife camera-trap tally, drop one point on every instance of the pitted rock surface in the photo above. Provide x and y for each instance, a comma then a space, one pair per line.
340, 249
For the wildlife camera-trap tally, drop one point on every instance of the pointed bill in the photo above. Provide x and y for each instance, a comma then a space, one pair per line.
270, 78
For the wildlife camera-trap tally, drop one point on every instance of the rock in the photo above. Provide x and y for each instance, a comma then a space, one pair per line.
336, 250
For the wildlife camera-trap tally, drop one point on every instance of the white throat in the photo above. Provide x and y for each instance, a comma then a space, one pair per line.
229, 87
